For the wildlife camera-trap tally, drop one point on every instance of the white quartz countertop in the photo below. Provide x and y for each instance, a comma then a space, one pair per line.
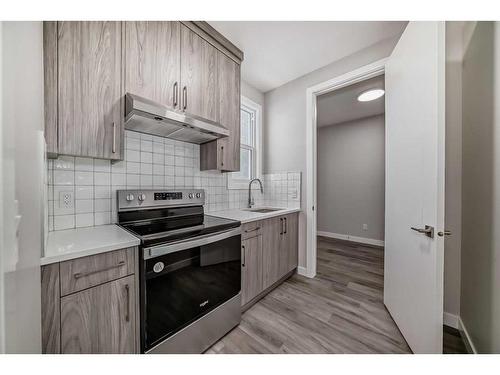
75, 243
249, 216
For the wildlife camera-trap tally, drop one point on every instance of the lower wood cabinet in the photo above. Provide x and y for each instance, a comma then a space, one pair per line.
269, 252
251, 268
100, 320
90, 304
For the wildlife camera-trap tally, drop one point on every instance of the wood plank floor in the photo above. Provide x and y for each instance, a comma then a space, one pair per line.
341, 310
453, 342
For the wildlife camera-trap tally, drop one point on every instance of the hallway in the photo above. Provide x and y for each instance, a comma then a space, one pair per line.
341, 310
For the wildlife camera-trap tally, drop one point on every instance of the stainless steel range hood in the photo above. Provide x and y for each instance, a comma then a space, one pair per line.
146, 116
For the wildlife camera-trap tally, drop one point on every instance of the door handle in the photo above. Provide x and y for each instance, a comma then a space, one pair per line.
244, 256
281, 226
428, 231
114, 138
176, 94
286, 225
444, 233
184, 98
221, 156
127, 313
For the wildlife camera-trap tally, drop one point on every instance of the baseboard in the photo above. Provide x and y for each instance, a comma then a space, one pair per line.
450, 320
347, 237
471, 348
302, 271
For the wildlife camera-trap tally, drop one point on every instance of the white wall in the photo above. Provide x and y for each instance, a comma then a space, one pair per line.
453, 170
22, 168
285, 119
351, 178
480, 266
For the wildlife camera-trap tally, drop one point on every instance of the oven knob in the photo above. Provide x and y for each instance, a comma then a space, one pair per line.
142, 197
130, 197
198, 195
190, 195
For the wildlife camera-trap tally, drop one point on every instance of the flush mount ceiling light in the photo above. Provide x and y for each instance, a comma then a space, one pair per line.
370, 95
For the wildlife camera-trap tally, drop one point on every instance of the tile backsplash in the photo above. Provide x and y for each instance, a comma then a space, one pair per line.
82, 191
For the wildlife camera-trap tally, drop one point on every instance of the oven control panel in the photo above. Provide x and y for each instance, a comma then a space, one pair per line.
136, 199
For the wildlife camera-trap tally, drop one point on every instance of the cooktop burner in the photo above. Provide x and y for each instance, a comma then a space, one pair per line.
158, 217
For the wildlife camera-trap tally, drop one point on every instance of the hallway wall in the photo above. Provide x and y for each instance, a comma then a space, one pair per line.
480, 271
351, 178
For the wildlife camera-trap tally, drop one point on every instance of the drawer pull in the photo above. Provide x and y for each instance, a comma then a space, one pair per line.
286, 225
127, 312
79, 275
281, 225
244, 255
252, 230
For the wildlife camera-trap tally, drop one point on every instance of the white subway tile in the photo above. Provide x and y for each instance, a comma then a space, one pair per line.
64, 222
84, 206
84, 220
102, 218
133, 180
64, 162
146, 146
102, 178
84, 178
102, 192
146, 169
102, 205
132, 134
158, 148
84, 164
158, 159
102, 165
84, 192
158, 170
146, 181
133, 155
64, 177
118, 179
133, 168
169, 160
169, 149
146, 157
132, 143
119, 167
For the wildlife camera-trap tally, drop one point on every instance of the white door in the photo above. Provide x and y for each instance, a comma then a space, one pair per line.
415, 123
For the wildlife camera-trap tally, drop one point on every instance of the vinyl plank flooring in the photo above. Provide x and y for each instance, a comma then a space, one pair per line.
341, 310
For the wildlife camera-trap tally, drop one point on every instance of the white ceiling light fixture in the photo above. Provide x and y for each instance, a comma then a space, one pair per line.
370, 95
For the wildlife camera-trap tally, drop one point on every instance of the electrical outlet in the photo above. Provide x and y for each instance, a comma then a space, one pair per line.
365, 226
66, 199
294, 194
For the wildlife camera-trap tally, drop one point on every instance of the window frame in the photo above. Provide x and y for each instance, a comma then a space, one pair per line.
239, 183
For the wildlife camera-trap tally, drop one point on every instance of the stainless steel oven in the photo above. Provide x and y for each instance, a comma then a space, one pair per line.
190, 275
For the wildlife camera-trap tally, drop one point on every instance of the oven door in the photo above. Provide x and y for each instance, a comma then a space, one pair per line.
185, 280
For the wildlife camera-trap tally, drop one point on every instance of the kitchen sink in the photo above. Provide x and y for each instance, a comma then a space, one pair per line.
263, 210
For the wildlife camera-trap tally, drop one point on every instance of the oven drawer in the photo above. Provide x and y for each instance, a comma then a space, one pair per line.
83, 273
251, 229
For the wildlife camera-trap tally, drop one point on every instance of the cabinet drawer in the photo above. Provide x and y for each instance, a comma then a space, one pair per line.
251, 229
83, 273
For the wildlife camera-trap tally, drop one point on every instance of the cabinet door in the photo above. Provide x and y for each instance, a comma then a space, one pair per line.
229, 112
198, 75
251, 268
100, 319
290, 251
89, 89
152, 60
272, 236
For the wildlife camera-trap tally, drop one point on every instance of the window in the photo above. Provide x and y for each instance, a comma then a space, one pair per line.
250, 122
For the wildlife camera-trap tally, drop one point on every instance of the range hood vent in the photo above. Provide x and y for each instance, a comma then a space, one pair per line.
146, 116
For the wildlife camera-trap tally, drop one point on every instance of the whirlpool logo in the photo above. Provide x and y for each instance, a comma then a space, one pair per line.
204, 303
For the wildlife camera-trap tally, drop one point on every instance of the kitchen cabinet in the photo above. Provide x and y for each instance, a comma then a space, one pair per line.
90, 304
88, 86
100, 320
251, 268
153, 61
269, 254
224, 154
198, 75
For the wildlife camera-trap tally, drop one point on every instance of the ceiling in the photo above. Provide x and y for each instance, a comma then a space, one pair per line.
277, 52
342, 105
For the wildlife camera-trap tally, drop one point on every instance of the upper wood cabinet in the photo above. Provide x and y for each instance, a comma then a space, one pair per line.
198, 75
152, 60
89, 96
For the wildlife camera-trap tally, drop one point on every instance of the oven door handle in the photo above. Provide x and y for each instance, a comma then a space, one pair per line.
156, 251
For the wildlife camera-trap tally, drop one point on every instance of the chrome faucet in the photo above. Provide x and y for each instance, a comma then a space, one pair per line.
250, 199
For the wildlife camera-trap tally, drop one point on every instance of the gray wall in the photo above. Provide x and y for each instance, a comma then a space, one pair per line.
252, 93
453, 170
351, 178
285, 120
480, 271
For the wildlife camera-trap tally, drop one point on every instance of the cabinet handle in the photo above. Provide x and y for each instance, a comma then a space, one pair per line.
79, 275
184, 98
127, 312
244, 256
252, 230
221, 156
281, 226
176, 94
286, 225
114, 138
